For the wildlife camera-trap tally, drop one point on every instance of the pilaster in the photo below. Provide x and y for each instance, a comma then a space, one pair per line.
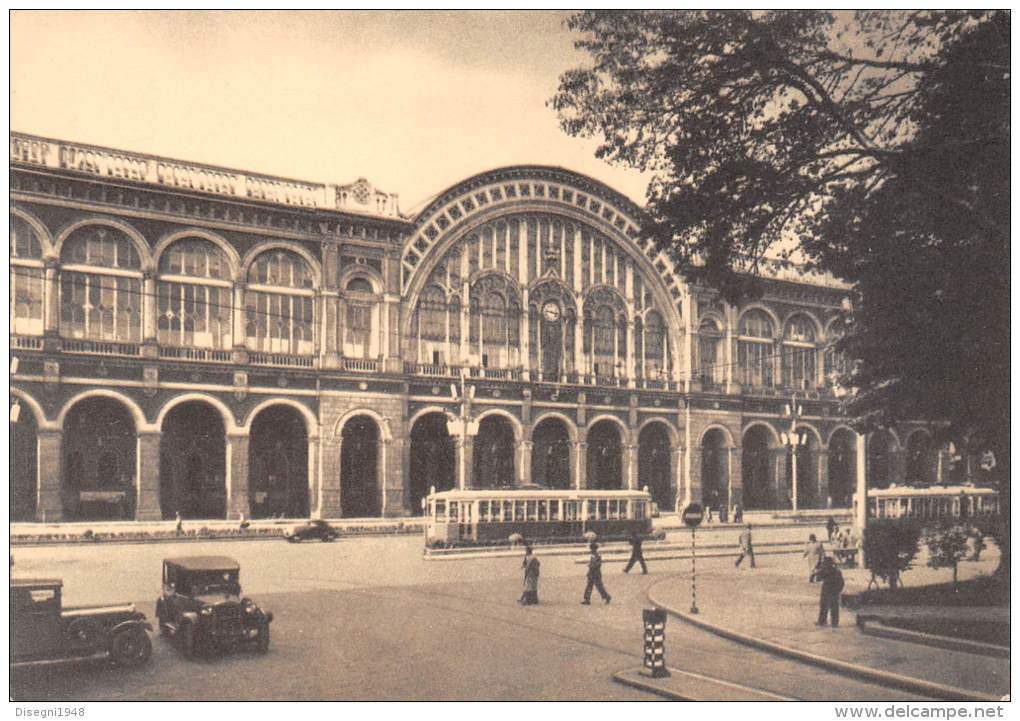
237, 476
148, 506
49, 501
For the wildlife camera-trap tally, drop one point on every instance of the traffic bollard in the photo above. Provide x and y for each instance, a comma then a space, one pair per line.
655, 642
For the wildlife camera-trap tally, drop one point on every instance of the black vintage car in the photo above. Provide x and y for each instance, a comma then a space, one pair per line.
42, 629
312, 530
203, 609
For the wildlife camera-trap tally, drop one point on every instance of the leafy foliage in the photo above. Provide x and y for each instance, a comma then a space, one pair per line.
947, 545
890, 548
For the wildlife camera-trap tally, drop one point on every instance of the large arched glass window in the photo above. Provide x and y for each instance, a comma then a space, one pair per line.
100, 286
754, 349
27, 276
799, 369
280, 304
194, 296
494, 329
432, 314
605, 342
360, 303
710, 362
655, 345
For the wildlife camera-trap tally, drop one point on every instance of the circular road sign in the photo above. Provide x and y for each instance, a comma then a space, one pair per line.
692, 515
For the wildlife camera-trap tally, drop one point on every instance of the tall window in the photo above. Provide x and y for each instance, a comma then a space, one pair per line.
605, 341
710, 361
100, 286
494, 328
432, 323
27, 276
495, 317
358, 321
754, 349
655, 345
279, 304
799, 353
194, 296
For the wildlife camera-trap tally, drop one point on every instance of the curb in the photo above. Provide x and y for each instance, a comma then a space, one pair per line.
884, 678
635, 678
642, 685
875, 626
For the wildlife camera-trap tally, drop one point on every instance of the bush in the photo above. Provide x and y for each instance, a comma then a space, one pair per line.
889, 549
947, 545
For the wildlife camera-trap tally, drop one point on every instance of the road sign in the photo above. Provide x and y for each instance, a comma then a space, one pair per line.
692, 515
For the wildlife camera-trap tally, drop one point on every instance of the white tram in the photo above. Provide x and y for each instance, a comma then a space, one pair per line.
931, 502
479, 517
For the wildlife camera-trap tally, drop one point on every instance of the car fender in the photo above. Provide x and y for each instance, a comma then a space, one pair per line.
190, 617
145, 625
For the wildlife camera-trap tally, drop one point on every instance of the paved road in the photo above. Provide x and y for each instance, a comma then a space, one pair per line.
370, 619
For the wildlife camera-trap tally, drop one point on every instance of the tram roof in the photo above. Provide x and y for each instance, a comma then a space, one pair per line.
538, 493
930, 491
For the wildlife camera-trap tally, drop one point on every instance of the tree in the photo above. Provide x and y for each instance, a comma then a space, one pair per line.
889, 549
947, 545
871, 145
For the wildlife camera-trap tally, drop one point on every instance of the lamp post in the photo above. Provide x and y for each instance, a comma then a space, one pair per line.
792, 440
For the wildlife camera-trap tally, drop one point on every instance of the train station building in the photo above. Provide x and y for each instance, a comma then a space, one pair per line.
194, 339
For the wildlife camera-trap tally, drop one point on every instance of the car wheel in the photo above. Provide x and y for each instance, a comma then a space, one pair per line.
131, 647
262, 644
188, 640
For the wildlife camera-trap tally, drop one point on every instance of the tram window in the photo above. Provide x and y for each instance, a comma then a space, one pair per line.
519, 511
569, 510
603, 510
453, 510
543, 510
440, 510
483, 511
639, 510
592, 513
554, 510
508, 510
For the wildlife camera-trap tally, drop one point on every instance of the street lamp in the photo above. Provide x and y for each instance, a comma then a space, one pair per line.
793, 439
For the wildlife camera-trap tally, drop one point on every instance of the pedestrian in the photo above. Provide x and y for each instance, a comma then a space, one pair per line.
709, 506
531, 567
738, 513
815, 554
595, 577
831, 527
179, 527
635, 554
832, 587
746, 547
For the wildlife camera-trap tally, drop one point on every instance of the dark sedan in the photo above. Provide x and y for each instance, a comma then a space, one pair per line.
312, 530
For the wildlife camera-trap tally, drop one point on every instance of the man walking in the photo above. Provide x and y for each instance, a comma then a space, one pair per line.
595, 577
832, 587
815, 554
746, 547
635, 554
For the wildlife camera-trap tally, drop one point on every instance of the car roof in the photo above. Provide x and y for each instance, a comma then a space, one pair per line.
204, 563
36, 582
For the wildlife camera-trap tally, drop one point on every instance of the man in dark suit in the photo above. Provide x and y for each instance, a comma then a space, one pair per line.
635, 554
595, 577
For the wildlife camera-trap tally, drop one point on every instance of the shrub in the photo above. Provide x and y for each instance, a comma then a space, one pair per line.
947, 545
890, 548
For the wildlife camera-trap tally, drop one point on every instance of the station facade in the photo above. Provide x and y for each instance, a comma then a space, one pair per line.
211, 342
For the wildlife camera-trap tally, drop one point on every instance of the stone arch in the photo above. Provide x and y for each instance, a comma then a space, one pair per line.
36, 409
842, 465
715, 474
141, 245
432, 454
671, 431
758, 443
430, 409
714, 316
233, 258
136, 412
717, 426
384, 425
367, 272
813, 431
42, 232
810, 316
774, 440
624, 430
280, 459
362, 464
777, 327
515, 422
311, 422
655, 463
839, 427
570, 425
252, 255
229, 422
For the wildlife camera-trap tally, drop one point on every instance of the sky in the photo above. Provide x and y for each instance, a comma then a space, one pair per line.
414, 101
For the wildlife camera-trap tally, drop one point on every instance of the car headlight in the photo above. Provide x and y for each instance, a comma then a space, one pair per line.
206, 611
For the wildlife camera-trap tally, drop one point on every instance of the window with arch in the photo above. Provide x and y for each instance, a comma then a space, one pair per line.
799, 369
27, 279
711, 364
194, 295
280, 304
755, 349
495, 317
100, 286
360, 304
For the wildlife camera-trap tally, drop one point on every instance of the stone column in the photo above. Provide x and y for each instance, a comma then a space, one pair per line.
695, 463
631, 461
630, 369
524, 472
736, 477
823, 478
861, 496
49, 500
51, 299
578, 283
580, 449
328, 501
239, 323
331, 347
394, 489
468, 463
237, 476
676, 472
525, 332
781, 490
147, 506
313, 474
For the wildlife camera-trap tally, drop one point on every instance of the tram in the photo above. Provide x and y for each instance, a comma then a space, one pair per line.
931, 502
484, 517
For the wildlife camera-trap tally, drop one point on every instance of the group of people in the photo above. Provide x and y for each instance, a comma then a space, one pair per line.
531, 567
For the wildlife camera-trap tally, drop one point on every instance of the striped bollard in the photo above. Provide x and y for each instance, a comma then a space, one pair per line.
655, 642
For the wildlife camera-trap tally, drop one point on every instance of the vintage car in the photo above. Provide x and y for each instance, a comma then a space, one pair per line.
203, 609
309, 530
43, 630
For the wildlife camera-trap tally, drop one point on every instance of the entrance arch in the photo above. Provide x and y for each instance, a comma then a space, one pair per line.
715, 469
756, 470
278, 463
605, 462
550, 454
433, 459
192, 462
842, 467
24, 466
654, 464
99, 447
494, 453
359, 468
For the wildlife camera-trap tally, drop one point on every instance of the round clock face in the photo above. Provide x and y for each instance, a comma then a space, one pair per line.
551, 311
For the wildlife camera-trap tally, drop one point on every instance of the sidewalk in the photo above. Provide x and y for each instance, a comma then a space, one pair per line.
774, 607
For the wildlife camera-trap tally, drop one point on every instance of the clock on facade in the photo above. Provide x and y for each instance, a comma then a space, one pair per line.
551, 312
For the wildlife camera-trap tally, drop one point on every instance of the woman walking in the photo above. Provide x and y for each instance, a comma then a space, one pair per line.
531, 567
